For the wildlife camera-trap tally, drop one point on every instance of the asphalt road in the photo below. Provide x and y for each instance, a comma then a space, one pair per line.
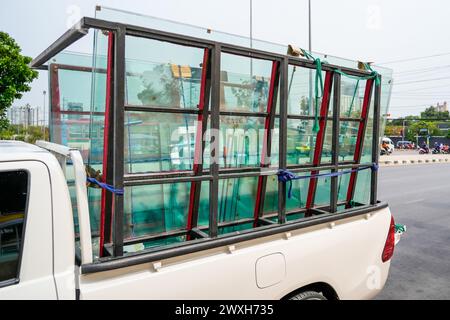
419, 197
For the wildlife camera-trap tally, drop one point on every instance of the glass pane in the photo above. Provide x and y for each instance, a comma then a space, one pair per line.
343, 182
352, 97
323, 190
237, 198
348, 135
327, 143
244, 83
362, 188
301, 141
167, 210
71, 104
241, 141
271, 197
366, 156
301, 88
162, 74
207, 33
157, 142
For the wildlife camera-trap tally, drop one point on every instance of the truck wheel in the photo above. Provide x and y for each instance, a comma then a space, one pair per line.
308, 295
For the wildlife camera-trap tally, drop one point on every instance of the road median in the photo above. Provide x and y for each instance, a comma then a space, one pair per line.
409, 159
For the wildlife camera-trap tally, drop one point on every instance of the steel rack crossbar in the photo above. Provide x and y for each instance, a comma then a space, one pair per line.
200, 237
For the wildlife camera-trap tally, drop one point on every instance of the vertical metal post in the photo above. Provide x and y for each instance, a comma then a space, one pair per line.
267, 140
202, 124
360, 139
118, 138
375, 142
335, 141
215, 143
282, 162
106, 211
319, 139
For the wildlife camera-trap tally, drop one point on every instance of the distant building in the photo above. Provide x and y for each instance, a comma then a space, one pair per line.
441, 107
25, 115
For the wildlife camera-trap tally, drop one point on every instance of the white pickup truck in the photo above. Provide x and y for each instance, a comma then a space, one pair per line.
339, 258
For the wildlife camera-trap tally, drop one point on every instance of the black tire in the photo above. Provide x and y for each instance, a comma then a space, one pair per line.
308, 295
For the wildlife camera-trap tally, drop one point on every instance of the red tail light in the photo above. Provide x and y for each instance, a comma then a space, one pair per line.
388, 250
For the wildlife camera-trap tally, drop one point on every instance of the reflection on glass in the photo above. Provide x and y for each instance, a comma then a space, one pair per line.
301, 141
162, 74
244, 83
240, 141
237, 198
157, 142
352, 97
167, 210
301, 89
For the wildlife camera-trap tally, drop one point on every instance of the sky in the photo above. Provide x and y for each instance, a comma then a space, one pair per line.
411, 37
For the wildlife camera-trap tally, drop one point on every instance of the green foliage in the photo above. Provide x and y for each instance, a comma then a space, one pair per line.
415, 127
15, 74
399, 122
170, 93
432, 113
391, 130
19, 132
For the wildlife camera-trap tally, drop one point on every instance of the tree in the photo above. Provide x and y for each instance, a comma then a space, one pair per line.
15, 74
414, 129
432, 113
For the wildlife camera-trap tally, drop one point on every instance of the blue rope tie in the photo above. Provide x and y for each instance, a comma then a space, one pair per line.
105, 186
288, 176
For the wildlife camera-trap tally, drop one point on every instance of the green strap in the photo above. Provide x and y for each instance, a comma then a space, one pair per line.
373, 75
400, 228
318, 84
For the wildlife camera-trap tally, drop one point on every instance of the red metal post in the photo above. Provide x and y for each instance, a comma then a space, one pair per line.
106, 152
360, 138
55, 108
266, 147
320, 138
202, 122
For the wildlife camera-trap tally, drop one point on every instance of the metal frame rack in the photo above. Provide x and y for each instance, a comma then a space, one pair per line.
208, 108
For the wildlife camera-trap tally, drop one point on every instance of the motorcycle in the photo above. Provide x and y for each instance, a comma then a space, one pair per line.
436, 150
384, 151
424, 150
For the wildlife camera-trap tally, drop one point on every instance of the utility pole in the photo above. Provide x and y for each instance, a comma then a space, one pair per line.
311, 102
251, 37
43, 126
403, 131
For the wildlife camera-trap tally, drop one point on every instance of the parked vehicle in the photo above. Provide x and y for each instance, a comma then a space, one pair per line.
387, 146
404, 145
424, 150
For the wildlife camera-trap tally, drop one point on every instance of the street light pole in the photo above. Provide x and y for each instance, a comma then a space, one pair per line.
311, 102
309, 25
43, 125
403, 131
251, 37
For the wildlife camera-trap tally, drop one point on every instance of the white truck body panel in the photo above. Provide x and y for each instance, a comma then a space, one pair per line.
347, 257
